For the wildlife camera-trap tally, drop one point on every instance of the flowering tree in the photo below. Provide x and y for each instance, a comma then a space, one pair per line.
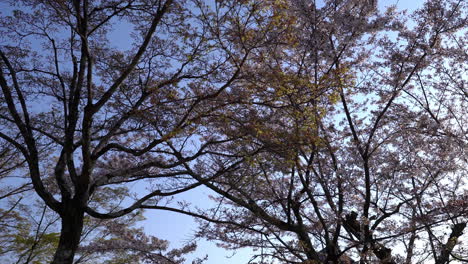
30, 234
360, 124
331, 132
85, 115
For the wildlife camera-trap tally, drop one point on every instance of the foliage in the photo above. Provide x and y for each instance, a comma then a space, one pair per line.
329, 132
30, 235
361, 140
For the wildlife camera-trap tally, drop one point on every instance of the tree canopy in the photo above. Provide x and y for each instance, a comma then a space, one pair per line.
328, 132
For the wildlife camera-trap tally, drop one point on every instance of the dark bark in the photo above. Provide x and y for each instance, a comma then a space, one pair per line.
72, 224
383, 253
457, 231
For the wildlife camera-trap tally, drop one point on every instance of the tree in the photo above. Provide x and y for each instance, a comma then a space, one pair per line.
85, 115
30, 234
360, 128
332, 132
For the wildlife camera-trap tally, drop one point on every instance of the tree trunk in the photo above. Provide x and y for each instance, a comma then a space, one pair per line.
457, 231
72, 225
